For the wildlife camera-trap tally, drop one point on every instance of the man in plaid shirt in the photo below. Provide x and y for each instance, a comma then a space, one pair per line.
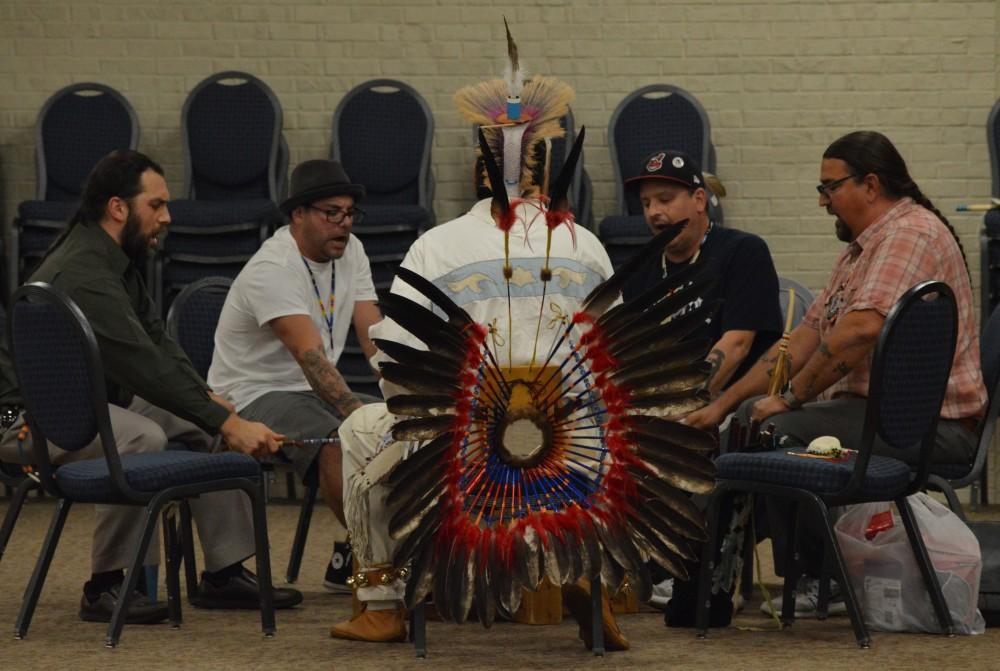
896, 239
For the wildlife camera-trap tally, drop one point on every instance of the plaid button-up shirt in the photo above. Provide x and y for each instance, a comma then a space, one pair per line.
905, 246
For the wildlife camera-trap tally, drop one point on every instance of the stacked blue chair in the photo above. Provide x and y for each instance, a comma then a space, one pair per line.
654, 117
76, 127
382, 135
910, 369
58, 367
233, 155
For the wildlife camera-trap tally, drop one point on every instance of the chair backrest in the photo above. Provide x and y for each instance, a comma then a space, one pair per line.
654, 117
193, 317
76, 128
59, 371
231, 126
910, 369
993, 141
803, 299
382, 133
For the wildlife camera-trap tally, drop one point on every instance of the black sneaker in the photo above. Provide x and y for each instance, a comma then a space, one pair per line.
141, 609
339, 569
240, 592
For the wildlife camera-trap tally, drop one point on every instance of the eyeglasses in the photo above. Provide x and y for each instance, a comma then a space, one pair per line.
828, 188
337, 215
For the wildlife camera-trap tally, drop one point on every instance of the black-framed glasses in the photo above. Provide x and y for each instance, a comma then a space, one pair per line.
336, 215
828, 188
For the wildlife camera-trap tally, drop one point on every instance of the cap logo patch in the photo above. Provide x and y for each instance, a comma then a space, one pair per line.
696, 180
678, 162
656, 162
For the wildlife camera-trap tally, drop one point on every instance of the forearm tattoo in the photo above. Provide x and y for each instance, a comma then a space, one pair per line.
327, 382
714, 359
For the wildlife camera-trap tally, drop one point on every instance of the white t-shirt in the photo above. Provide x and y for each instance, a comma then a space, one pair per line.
465, 257
249, 359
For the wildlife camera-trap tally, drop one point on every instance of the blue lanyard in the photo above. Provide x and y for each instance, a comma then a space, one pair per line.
327, 316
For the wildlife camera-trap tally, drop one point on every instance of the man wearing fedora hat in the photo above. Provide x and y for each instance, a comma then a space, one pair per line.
285, 322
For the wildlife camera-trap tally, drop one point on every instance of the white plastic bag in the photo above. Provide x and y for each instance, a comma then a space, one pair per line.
885, 574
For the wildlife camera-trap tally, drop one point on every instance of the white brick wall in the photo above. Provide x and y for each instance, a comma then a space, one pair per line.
780, 80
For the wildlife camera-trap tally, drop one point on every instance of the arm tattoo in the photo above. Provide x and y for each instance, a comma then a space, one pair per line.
714, 359
326, 381
842, 368
825, 351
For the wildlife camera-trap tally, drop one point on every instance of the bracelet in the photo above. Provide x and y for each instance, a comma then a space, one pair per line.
791, 399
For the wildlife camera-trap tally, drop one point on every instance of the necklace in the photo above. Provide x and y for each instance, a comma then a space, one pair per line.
693, 259
327, 316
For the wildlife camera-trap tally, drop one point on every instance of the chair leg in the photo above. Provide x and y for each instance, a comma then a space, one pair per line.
34, 588
833, 560
792, 568
926, 567
953, 503
301, 532
708, 550
172, 552
597, 615
418, 629
13, 511
263, 555
187, 547
133, 573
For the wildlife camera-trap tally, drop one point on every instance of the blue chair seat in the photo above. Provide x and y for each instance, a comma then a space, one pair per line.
90, 480
36, 241
951, 471
209, 214
886, 477
47, 210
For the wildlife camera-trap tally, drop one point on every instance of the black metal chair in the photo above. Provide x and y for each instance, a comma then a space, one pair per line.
910, 370
191, 322
58, 366
948, 478
231, 127
382, 134
77, 126
659, 116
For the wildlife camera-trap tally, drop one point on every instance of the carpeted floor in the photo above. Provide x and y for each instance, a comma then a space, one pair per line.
232, 640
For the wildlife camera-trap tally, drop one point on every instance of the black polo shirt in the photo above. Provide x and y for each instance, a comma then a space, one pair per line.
748, 286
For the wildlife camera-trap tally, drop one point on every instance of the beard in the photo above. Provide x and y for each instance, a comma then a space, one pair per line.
134, 243
843, 232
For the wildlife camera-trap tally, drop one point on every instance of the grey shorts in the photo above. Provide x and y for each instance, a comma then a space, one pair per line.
298, 415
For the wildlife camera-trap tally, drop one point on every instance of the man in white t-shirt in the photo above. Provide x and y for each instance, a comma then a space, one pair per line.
286, 319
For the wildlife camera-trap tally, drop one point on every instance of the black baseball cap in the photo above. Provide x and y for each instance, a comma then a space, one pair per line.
670, 166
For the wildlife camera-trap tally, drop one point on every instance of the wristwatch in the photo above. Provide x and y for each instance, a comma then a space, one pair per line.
789, 397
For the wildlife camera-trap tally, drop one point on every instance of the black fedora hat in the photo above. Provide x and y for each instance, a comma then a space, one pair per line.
317, 179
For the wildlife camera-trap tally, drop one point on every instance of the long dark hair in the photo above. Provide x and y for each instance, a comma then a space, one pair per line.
117, 175
870, 152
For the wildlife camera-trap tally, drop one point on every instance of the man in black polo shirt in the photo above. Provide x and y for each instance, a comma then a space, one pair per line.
671, 187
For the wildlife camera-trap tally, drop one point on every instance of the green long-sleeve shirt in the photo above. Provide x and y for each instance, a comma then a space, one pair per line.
138, 356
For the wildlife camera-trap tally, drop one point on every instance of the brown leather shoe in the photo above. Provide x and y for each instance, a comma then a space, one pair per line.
374, 626
577, 600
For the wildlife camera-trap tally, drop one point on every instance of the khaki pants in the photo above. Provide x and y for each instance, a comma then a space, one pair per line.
224, 519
